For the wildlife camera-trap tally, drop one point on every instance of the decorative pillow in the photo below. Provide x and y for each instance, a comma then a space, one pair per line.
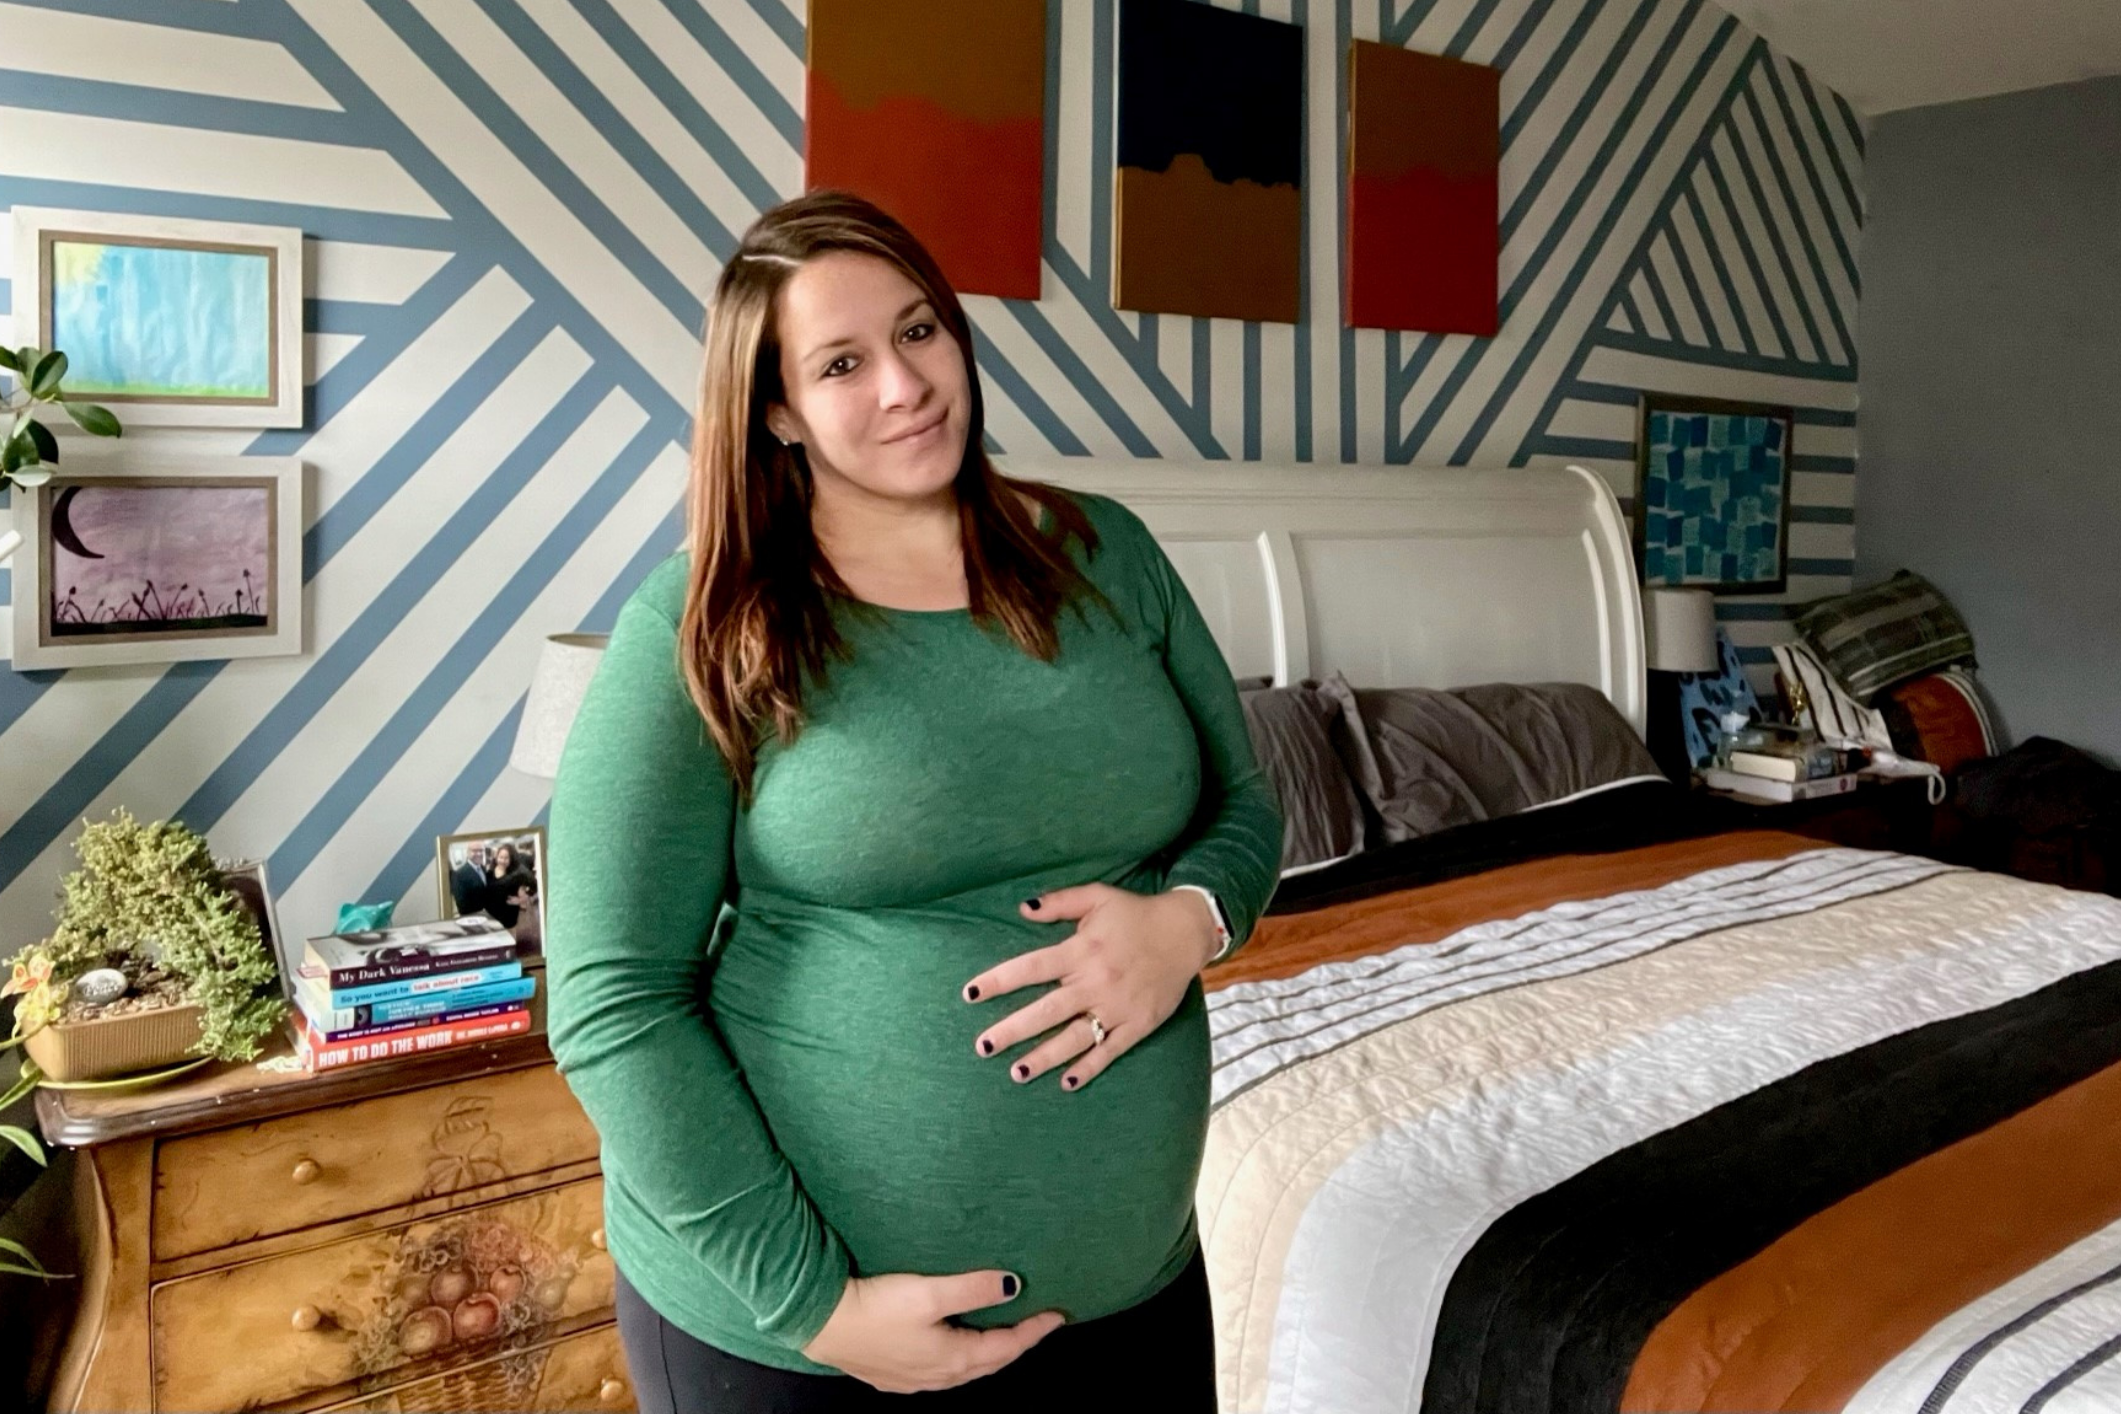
1940, 719
1292, 731
1888, 633
1828, 709
1705, 697
1428, 759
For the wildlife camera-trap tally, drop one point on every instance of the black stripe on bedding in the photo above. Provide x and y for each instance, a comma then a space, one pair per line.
1548, 1310
1955, 1375
1605, 822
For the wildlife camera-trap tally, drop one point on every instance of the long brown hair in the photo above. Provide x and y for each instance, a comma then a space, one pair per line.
757, 622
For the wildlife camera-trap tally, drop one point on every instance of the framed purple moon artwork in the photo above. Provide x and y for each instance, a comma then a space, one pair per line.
140, 561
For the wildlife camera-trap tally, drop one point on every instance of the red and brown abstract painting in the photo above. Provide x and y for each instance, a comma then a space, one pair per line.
1208, 202
935, 111
1424, 149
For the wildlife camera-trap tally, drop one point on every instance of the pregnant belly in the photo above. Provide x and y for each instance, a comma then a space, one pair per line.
927, 1157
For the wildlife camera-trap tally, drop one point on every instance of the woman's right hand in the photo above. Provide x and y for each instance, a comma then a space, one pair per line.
891, 1332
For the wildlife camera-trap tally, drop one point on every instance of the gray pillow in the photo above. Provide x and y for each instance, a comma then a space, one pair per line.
1292, 731
1428, 759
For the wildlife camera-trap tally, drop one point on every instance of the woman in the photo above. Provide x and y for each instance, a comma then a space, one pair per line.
898, 1055
507, 885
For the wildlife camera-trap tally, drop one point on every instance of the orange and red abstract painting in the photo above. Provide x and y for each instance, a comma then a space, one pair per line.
1208, 202
1424, 149
935, 111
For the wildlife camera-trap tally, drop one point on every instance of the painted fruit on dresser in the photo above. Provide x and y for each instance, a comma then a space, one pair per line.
466, 1291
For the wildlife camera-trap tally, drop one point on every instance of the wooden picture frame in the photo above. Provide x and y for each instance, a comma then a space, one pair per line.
245, 878
131, 354
1713, 484
228, 586
453, 852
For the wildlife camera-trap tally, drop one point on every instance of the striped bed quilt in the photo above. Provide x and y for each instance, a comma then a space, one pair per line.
1733, 1123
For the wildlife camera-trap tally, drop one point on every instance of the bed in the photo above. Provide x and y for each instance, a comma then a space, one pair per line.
1579, 1109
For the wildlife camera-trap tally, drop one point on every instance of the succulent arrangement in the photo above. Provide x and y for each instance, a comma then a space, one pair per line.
148, 904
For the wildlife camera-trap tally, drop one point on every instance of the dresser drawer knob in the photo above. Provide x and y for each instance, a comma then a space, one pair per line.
307, 1318
612, 1391
307, 1171
596, 1238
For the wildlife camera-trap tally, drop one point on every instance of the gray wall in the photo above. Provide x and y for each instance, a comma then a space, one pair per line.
1991, 390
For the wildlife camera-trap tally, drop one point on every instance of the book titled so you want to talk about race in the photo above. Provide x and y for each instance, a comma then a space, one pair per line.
384, 993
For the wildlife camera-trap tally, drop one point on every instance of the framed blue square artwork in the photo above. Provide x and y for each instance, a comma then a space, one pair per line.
1712, 494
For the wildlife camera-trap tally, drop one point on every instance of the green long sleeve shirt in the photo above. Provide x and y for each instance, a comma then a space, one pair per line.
760, 1008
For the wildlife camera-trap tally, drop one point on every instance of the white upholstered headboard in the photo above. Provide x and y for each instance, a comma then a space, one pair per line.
1395, 576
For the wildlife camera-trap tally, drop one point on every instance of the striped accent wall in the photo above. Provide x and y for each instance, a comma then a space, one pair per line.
516, 206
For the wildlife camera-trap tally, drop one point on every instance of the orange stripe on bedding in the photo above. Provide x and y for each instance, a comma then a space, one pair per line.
1285, 946
1807, 1322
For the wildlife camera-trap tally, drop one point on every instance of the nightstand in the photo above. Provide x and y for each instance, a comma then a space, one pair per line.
409, 1235
1890, 814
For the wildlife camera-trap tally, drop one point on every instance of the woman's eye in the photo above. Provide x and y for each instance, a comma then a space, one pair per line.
843, 364
915, 333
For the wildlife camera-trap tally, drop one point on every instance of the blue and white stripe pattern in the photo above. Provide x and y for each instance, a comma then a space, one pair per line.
516, 207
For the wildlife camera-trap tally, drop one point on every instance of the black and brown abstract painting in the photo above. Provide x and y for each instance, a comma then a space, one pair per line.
1208, 200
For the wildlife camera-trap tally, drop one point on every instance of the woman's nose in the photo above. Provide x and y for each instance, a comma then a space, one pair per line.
900, 384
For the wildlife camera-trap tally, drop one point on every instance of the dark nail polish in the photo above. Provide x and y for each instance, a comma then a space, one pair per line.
1023, 1072
986, 1047
1009, 1285
1072, 1081
971, 994
1034, 904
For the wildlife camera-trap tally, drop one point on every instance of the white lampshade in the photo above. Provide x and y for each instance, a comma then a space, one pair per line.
564, 668
1681, 627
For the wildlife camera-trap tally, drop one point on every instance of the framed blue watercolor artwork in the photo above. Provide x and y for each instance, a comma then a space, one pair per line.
128, 314
177, 322
1712, 494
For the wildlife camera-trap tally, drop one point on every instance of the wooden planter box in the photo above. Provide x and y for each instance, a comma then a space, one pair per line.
116, 1045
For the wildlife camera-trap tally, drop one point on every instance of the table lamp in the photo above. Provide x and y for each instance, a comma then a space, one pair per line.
565, 666
1680, 628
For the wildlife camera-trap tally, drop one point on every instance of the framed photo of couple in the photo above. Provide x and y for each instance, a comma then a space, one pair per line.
499, 873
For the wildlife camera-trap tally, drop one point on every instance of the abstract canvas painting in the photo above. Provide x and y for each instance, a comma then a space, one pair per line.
194, 561
129, 314
935, 110
176, 322
1208, 207
1424, 154
1712, 494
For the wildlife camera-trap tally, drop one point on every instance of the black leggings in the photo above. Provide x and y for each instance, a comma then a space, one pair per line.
1157, 1355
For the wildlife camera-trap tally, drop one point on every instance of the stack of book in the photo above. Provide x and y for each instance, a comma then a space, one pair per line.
392, 992
1785, 770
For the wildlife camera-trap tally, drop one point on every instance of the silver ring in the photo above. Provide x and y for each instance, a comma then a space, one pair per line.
1097, 1028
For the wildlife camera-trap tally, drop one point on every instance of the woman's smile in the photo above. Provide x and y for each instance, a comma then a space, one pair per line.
922, 435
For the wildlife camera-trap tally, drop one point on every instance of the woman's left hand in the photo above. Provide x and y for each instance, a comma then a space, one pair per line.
1130, 961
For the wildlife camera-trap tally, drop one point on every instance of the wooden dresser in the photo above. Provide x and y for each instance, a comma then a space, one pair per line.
424, 1234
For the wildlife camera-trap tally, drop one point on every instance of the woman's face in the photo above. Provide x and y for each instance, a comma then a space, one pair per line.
504, 859
876, 388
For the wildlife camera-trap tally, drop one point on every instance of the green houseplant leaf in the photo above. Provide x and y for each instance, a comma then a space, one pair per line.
93, 419
23, 1140
7, 361
44, 378
41, 438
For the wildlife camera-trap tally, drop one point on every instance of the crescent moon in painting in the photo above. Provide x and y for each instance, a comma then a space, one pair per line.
63, 526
